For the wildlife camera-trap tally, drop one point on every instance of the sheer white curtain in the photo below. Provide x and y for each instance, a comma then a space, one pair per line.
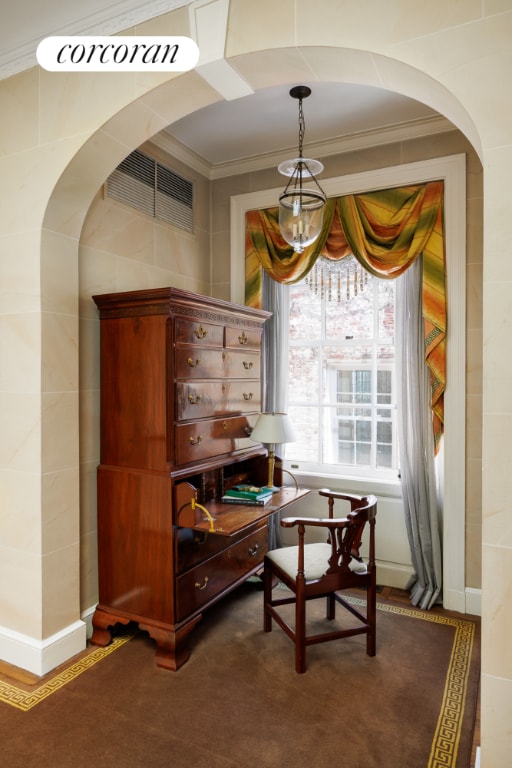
417, 462
275, 299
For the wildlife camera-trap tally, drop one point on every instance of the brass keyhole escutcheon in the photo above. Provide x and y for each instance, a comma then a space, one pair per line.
243, 338
200, 332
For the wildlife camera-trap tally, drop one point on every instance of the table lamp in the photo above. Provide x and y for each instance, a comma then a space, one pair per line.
272, 429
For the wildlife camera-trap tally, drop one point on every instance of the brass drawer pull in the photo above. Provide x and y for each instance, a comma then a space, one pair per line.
243, 338
254, 550
194, 400
193, 363
224, 425
248, 395
202, 586
195, 440
224, 389
200, 332
247, 365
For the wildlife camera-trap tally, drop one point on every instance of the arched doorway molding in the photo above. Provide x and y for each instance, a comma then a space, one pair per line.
146, 115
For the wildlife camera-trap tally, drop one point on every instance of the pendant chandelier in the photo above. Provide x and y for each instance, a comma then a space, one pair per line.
301, 208
337, 280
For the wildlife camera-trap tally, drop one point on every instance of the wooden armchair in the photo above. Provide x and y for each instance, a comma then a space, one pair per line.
318, 570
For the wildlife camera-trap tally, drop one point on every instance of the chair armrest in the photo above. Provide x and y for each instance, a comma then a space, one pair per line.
354, 499
319, 522
340, 495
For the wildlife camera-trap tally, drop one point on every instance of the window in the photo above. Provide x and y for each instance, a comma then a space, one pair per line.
341, 378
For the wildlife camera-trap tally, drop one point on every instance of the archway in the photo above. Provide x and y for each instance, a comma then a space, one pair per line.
140, 119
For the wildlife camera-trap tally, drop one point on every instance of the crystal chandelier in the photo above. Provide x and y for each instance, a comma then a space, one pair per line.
337, 280
301, 208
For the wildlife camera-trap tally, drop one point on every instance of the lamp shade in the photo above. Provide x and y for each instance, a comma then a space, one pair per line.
273, 428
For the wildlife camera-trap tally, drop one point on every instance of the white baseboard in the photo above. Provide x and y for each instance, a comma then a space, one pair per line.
87, 618
41, 656
397, 576
474, 601
393, 574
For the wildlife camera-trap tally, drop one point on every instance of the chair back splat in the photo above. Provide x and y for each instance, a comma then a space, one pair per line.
318, 570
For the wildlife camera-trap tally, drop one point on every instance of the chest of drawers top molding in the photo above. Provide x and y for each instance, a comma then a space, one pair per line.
174, 302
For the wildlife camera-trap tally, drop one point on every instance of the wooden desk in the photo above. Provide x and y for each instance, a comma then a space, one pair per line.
207, 566
233, 519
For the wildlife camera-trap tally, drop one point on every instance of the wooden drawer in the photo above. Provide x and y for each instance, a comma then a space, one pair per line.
236, 338
201, 399
200, 363
194, 547
201, 584
213, 437
205, 334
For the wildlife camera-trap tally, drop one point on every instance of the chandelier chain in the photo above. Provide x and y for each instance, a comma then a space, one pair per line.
302, 127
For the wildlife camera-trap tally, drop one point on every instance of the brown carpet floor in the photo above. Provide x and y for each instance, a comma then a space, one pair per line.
238, 703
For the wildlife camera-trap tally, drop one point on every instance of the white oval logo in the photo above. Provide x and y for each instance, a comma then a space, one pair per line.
117, 54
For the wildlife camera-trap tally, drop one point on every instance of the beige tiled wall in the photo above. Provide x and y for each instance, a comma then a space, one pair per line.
122, 249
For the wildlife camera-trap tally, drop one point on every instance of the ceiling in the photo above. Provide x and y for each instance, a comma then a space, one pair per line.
266, 122
228, 132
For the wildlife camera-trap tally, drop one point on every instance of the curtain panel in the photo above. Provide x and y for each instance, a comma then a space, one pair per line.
386, 231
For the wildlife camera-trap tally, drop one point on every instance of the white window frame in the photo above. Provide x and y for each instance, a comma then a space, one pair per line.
328, 468
452, 170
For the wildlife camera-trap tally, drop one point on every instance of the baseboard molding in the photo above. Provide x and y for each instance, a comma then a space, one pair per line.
41, 656
87, 619
393, 574
398, 576
473, 601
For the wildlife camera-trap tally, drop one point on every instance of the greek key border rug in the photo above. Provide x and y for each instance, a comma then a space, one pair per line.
447, 736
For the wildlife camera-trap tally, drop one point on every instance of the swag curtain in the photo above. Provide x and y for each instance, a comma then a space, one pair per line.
386, 231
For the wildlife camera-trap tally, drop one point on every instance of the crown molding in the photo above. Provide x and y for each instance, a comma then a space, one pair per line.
116, 17
377, 137
179, 151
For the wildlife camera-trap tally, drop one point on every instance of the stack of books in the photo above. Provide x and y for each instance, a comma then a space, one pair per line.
248, 494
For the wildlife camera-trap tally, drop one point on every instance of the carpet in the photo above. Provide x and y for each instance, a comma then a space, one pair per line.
238, 702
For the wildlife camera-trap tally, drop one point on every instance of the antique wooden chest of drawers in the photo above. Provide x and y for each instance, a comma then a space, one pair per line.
180, 394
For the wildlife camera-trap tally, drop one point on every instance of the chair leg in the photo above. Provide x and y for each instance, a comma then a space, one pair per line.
300, 628
331, 607
267, 598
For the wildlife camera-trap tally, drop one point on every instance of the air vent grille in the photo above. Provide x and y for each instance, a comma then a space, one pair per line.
148, 186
